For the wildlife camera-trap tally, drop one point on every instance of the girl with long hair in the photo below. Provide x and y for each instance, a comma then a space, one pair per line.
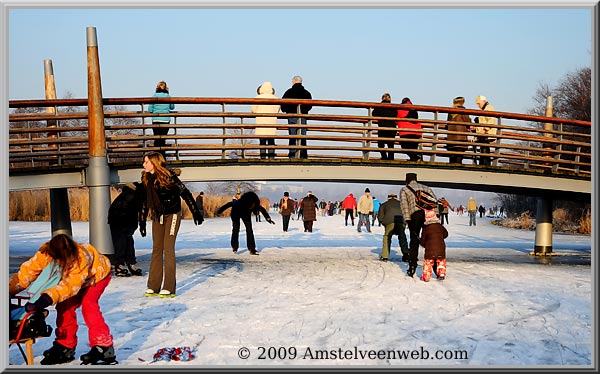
162, 199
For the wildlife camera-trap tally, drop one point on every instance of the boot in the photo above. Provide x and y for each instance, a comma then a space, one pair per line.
99, 355
134, 269
58, 354
411, 270
121, 271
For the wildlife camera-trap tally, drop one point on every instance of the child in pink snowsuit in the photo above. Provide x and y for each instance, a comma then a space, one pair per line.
432, 239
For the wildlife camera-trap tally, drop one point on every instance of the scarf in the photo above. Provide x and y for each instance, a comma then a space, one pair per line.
156, 208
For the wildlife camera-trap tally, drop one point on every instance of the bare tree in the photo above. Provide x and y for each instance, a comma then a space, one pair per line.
572, 99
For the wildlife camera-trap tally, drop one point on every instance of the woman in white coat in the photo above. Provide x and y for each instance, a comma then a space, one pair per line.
266, 91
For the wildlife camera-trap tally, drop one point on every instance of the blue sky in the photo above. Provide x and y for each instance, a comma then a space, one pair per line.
430, 55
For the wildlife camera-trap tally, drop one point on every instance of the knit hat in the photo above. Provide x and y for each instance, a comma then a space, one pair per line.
286, 194
367, 190
430, 217
392, 195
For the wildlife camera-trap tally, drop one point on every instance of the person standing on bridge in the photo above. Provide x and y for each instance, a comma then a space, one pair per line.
163, 192
162, 91
297, 91
386, 98
482, 131
457, 124
406, 130
414, 217
266, 91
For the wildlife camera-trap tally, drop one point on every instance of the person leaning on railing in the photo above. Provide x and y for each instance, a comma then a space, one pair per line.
457, 125
406, 130
161, 91
483, 131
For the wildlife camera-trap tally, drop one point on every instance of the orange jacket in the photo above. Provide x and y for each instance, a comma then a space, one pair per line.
91, 268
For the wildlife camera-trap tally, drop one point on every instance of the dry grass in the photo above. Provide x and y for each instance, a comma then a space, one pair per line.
35, 205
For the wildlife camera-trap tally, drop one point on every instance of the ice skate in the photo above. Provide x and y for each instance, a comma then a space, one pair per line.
58, 354
99, 355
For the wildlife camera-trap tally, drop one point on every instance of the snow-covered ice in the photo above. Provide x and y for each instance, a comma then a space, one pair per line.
323, 298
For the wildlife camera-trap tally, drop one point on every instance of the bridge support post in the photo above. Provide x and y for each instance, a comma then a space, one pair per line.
98, 172
543, 228
60, 212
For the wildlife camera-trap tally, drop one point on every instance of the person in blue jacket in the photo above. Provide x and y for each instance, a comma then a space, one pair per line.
376, 205
160, 108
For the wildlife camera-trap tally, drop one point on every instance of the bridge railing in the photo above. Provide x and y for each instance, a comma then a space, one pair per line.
223, 128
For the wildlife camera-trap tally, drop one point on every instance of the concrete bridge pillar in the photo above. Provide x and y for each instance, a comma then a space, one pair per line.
98, 172
60, 212
543, 227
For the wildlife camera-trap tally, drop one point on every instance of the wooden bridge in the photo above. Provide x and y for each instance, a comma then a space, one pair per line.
213, 139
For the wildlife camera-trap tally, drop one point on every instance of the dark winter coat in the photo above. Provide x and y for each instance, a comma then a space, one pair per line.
309, 208
123, 212
170, 197
388, 211
386, 112
245, 206
432, 239
297, 91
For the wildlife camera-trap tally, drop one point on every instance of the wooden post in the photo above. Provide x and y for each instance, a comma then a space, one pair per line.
98, 172
60, 212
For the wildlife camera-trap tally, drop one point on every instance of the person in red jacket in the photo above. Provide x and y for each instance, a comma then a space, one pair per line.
406, 130
349, 206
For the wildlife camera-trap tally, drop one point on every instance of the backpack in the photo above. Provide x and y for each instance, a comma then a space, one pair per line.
423, 199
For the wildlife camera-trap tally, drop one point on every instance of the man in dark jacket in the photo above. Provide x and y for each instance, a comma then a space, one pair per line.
386, 112
390, 214
243, 208
123, 221
297, 91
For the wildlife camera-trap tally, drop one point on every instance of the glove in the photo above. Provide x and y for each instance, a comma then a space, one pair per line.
143, 228
271, 221
198, 219
42, 302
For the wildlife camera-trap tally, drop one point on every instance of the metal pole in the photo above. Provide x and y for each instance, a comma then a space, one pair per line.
543, 228
60, 213
98, 172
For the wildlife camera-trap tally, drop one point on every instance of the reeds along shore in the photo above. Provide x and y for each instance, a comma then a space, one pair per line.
34, 205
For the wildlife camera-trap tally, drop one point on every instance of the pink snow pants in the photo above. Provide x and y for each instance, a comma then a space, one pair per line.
66, 318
